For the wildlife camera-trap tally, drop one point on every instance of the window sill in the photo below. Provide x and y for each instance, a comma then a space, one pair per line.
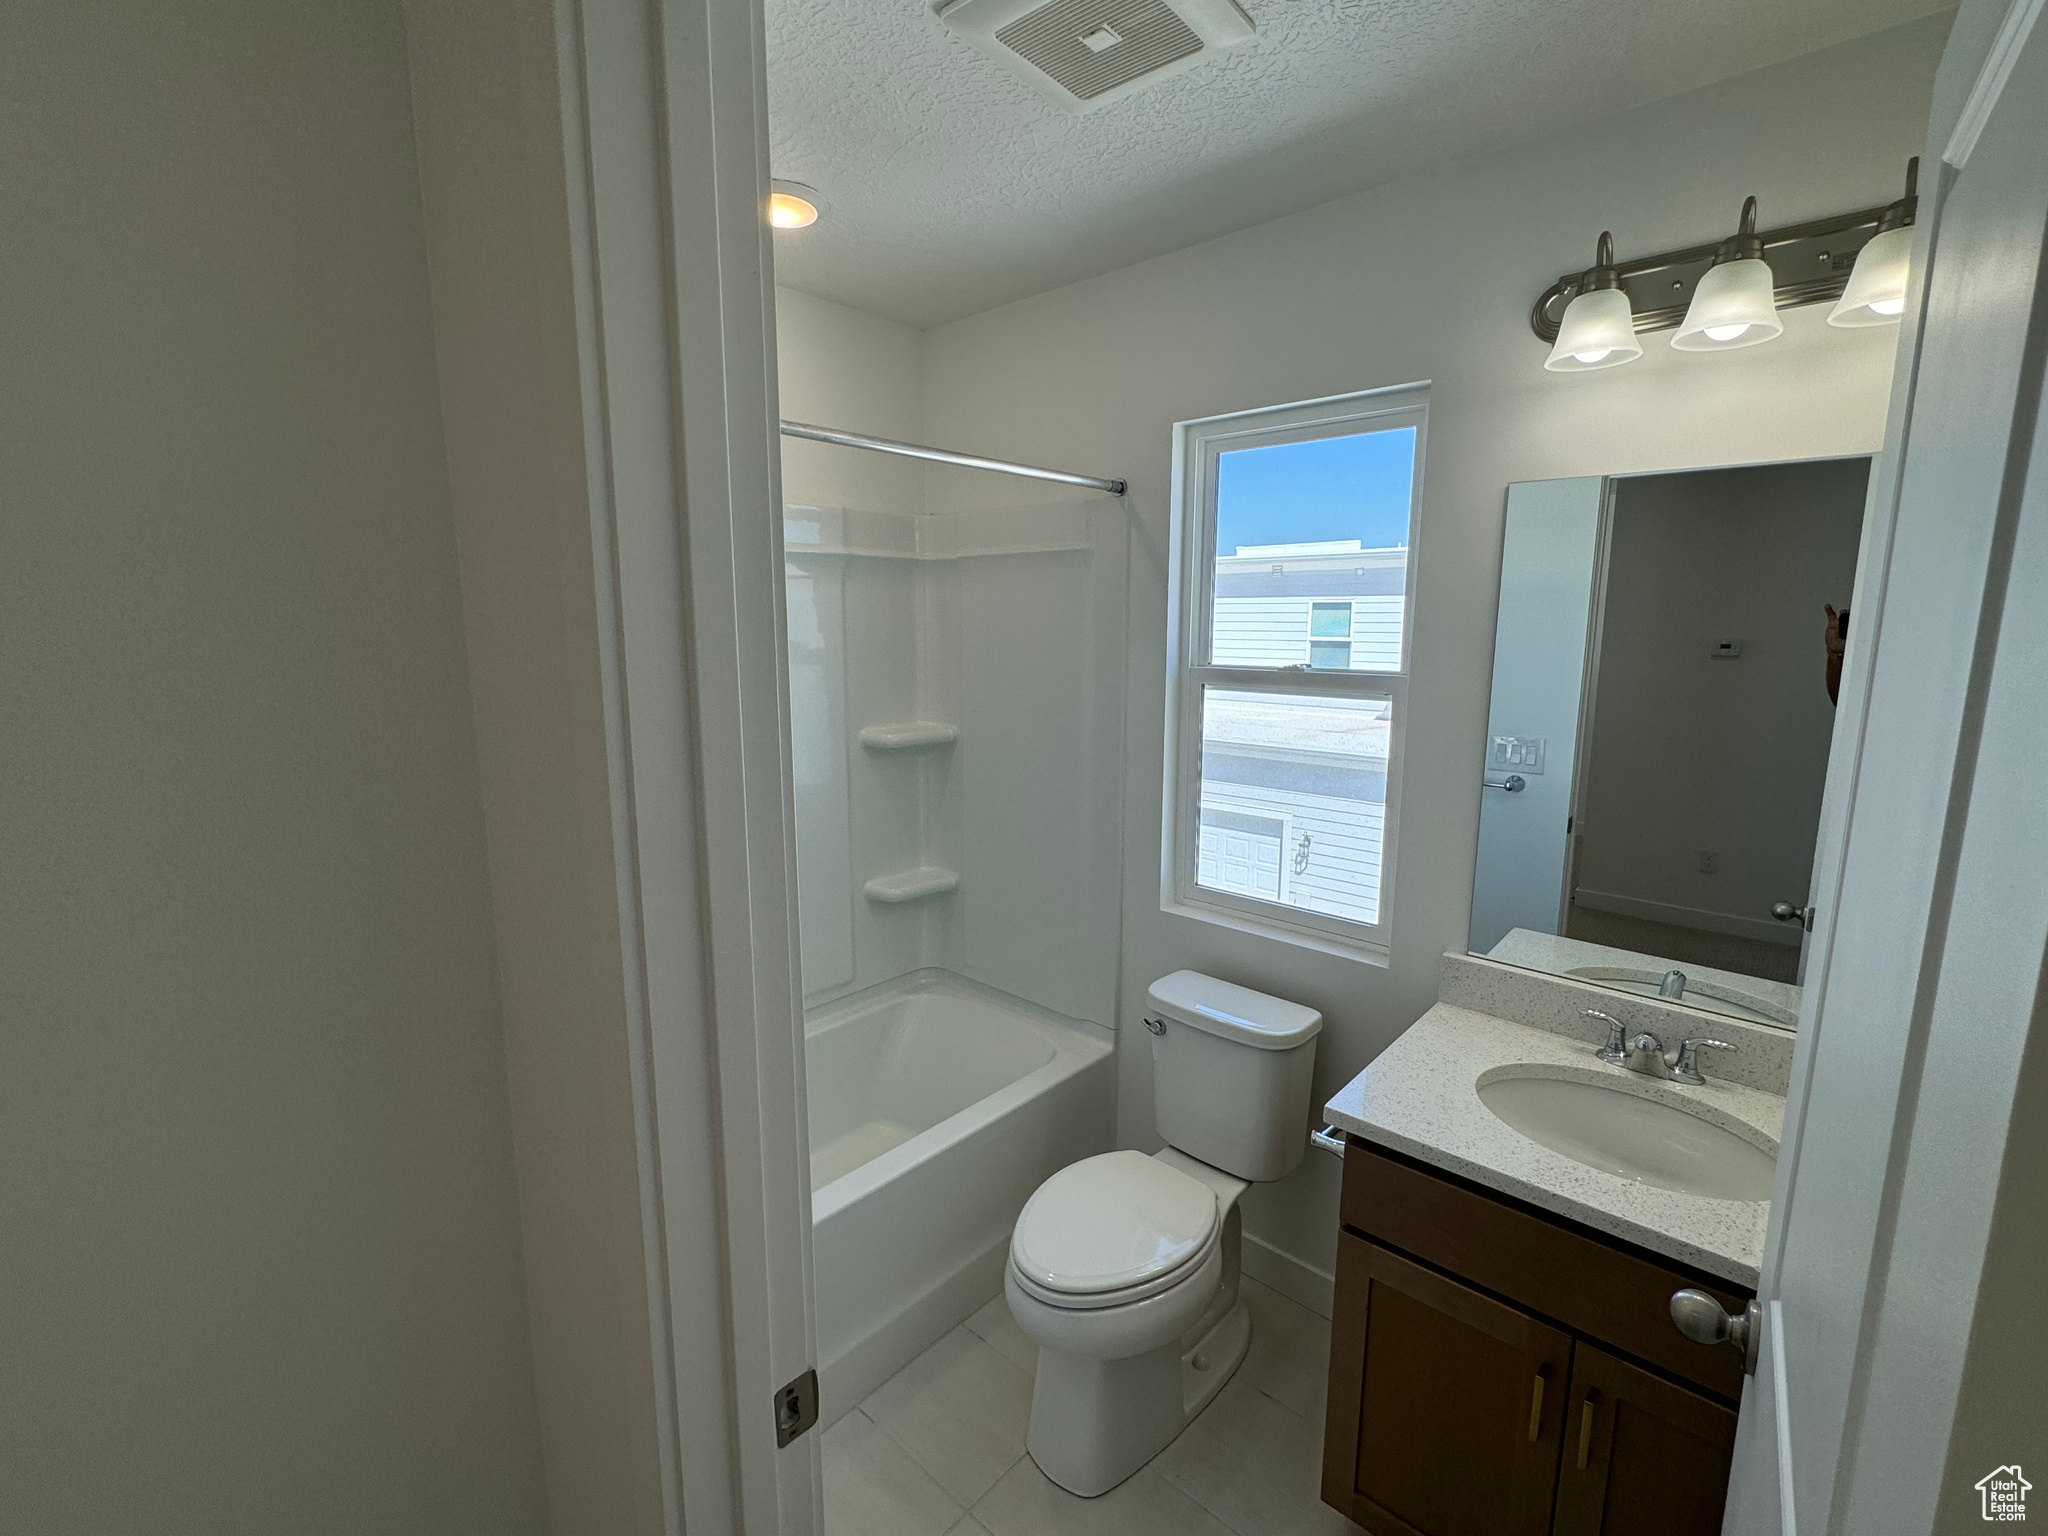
1363, 950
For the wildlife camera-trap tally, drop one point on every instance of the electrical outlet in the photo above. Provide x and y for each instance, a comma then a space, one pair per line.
1710, 862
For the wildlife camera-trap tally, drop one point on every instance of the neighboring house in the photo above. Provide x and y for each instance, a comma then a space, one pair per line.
1335, 604
1293, 793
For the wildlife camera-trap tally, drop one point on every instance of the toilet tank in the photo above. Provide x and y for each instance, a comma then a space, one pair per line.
1232, 1070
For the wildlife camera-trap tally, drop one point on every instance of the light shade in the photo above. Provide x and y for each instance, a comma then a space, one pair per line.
1733, 306
792, 205
1598, 331
1876, 294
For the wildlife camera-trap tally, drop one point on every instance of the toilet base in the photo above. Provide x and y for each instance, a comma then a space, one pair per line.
1095, 1422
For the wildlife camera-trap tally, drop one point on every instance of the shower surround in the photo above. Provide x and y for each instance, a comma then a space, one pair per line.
956, 730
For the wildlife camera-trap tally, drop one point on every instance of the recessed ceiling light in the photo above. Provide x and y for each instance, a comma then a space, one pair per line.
791, 205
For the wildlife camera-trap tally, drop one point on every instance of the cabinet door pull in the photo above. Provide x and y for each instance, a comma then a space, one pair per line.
1585, 1428
1536, 1408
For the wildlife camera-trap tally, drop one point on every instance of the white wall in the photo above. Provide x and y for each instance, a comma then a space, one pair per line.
261, 1270
1693, 753
1432, 278
838, 367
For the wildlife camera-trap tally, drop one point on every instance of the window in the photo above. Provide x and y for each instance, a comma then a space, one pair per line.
1294, 547
1329, 635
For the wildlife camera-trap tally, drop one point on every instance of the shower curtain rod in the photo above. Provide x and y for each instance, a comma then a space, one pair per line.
947, 456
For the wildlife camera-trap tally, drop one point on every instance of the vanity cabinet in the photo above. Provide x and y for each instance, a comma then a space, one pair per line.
1496, 1371
1448, 1382
1640, 1453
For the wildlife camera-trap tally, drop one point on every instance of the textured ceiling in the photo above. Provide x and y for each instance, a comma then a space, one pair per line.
950, 187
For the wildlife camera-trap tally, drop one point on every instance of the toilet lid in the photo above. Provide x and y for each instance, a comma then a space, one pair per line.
1111, 1222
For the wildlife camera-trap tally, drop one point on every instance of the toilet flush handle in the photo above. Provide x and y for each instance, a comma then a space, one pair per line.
1157, 1026
1329, 1138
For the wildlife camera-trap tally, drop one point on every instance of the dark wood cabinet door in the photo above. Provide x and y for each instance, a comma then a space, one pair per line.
1446, 1411
1641, 1457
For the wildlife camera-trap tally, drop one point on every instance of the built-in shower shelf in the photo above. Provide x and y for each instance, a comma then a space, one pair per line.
908, 735
911, 884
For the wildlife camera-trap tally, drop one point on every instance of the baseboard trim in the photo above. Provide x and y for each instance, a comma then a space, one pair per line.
1296, 1279
848, 1377
1768, 930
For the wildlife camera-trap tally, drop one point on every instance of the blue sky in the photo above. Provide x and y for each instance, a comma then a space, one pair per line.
1334, 488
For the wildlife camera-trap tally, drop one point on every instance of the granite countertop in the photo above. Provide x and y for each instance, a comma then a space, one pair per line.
1420, 1098
1771, 1002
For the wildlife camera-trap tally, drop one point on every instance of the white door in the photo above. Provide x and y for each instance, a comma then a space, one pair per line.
1920, 774
1548, 557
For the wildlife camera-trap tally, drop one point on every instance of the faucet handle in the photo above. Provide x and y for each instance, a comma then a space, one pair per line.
1687, 1069
1615, 1051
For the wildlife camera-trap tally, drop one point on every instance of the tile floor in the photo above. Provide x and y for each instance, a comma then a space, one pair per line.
938, 1450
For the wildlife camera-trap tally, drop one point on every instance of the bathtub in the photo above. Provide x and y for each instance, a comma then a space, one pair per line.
936, 1107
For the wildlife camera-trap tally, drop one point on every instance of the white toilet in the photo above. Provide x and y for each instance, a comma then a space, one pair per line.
1124, 1267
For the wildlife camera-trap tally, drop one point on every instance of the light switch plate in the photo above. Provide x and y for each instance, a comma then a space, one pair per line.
1517, 754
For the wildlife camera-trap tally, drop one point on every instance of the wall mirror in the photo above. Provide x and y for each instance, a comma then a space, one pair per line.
1666, 657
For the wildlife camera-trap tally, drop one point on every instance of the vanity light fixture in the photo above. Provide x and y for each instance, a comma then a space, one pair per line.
1735, 304
1727, 293
1598, 329
1876, 294
791, 205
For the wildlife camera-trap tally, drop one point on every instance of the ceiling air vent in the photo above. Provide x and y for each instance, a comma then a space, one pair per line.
1082, 53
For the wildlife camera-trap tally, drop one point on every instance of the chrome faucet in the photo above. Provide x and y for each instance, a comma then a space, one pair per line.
1687, 1068
1672, 986
1615, 1051
1646, 1053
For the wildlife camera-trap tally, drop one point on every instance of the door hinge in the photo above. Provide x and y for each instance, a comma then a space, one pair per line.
796, 1408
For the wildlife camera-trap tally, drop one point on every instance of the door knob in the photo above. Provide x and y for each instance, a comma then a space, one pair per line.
1699, 1317
1785, 912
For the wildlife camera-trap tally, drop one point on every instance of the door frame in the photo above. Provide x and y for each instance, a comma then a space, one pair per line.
662, 145
592, 175
1881, 1446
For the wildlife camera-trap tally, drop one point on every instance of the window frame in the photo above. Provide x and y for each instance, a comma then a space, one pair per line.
1197, 446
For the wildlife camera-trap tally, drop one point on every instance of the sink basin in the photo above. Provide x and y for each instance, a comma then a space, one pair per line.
1646, 1140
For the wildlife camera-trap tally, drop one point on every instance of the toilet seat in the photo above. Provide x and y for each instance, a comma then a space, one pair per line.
1096, 1301
1112, 1230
